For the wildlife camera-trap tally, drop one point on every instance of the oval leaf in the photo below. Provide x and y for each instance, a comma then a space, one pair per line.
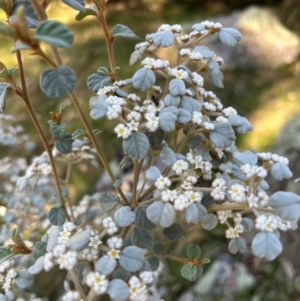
64, 143
55, 83
118, 290
280, 171
222, 136
24, 279
124, 217
189, 270
141, 238
161, 213
79, 240
131, 259
177, 87
123, 31
229, 36
143, 79
105, 265
174, 232
136, 146
266, 245
193, 251
236, 244
57, 216
210, 222
109, 201
164, 38
54, 33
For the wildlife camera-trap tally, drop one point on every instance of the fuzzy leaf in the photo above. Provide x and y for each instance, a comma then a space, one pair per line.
131, 258
118, 290
5, 254
195, 213
216, 78
136, 146
31, 17
105, 265
3, 90
76, 4
222, 136
88, 12
177, 87
189, 270
193, 251
286, 204
123, 31
174, 232
167, 121
205, 52
184, 116
24, 279
99, 109
57, 216
152, 174
163, 38
158, 247
40, 250
79, 240
38, 266
210, 222
246, 157
64, 143
78, 133
55, 83
109, 201
97, 81
229, 36
141, 238
240, 124
6, 30
167, 156
266, 245
54, 33
142, 220
57, 129
236, 244
143, 79
281, 171
190, 104
124, 217
171, 100
161, 213
155, 138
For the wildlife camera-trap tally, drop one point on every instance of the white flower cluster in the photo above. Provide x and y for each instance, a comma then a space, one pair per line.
271, 223
155, 64
219, 189
178, 73
237, 193
273, 158
7, 274
98, 282
233, 232
253, 170
138, 286
176, 28
223, 215
110, 225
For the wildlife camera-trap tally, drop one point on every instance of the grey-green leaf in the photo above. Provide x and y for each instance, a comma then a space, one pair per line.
190, 104
236, 244
167, 121
54, 33
78, 133
38, 266
97, 81
286, 204
229, 36
281, 171
109, 201
189, 270
141, 238
177, 87
118, 290
136, 146
195, 213
79, 240
158, 247
124, 217
57, 216
5, 254
76, 4
152, 174
266, 245
141, 218
64, 143
105, 265
55, 83
193, 251
174, 232
123, 31
223, 135
205, 52
143, 79
3, 90
216, 78
210, 222
167, 156
164, 38
57, 130
40, 250
88, 12
131, 258
161, 213
24, 279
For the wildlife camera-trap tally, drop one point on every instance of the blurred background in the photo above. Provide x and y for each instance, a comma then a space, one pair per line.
262, 81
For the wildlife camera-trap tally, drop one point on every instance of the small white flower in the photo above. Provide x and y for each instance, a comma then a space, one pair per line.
266, 223
184, 51
98, 282
133, 126
252, 200
68, 260
146, 277
113, 253
229, 111
223, 215
113, 112
179, 166
194, 196
122, 131
181, 202
115, 242
237, 193
95, 242
152, 124
168, 195
197, 118
162, 182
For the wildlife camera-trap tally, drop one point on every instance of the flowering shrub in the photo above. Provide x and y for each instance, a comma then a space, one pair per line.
187, 172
